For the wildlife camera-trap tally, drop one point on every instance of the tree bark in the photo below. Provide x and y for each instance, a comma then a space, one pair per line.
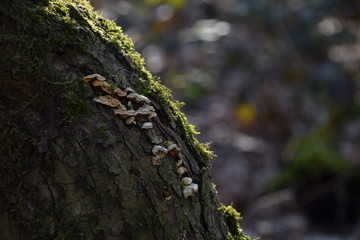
70, 168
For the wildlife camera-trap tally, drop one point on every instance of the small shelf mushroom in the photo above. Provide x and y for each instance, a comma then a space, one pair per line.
181, 170
144, 111
119, 93
107, 100
159, 151
190, 190
129, 90
173, 149
179, 163
186, 181
107, 89
94, 76
121, 107
147, 125
138, 98
124, 114
99, 83
152, 115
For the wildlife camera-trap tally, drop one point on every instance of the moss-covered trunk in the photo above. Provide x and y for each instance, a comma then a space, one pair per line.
69, 167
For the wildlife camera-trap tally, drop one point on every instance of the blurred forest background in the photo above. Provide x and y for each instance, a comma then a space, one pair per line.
274, 85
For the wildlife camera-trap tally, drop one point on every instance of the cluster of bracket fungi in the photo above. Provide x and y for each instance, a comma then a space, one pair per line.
189, 188
145, 112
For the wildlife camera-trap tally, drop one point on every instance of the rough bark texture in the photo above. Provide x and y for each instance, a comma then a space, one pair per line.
69, 168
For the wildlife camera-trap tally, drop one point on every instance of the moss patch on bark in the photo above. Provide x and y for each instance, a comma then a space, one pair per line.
232, 218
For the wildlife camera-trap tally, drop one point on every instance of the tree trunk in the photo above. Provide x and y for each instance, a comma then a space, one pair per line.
72, 169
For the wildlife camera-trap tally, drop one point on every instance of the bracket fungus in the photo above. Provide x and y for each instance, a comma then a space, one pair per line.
181, 170
119, 93
94, 76
138, 98
98, 83
179, 163
186, 181
147, 125
148, 107
107, 100
121, 107
173, 149
159, 151
190, 190
107, 88
129, 90
125, 114
145, 111
152, 115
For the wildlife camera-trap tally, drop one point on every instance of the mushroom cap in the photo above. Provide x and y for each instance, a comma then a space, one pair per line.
194, 186
142, 98
121, 107
173, 149
107, 100
159, 151
94, 76
98, 83
105, 87
131, 95
179, 163
143, 111
190, 190
129, 90
181, 170
149, 107
186, 181
147, 125
125, 114
119, 93
138, 98
152, 115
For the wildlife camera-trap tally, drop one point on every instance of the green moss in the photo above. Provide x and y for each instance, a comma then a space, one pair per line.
232, 218
213, 185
